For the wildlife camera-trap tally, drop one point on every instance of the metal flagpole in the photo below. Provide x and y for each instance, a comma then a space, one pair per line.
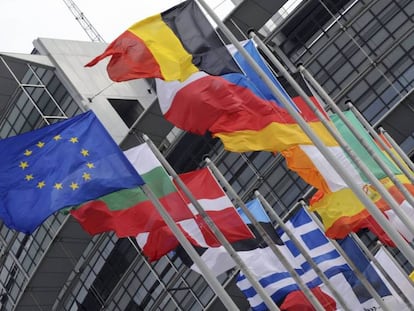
377, 264
391, 257
315, 302
216, 231
275, 217
207, 274
397, 148
369, 204
374, 134
377, 214
354, 268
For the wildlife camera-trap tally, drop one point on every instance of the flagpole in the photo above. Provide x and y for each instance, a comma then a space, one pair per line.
372, 208
354, 268
398, 149
391, 257
307, 292
211, 280
275, 217
372, 258
216, 231
384, 146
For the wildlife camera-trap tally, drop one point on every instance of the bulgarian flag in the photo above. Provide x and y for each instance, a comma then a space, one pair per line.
129, 213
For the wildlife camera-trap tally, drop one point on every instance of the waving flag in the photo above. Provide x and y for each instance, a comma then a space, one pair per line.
215, 203
57, 166
170, 46
342, 278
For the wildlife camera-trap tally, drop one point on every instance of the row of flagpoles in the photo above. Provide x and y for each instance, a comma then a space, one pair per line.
259, 292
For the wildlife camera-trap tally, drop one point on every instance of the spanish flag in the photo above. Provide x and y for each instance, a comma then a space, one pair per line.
171, 46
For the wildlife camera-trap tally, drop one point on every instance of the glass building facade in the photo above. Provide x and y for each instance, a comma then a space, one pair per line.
359, 51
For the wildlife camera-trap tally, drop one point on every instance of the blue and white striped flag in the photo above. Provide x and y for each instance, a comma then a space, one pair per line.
340, 275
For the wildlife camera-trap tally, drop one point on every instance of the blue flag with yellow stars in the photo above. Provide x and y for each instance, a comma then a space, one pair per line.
60, 165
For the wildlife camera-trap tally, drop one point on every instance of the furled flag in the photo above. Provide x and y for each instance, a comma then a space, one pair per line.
171, 46
205, 188
233, 108
63, 164
130, 213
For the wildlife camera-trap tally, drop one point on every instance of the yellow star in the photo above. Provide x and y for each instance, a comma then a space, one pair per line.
57, 137
28, 152
41, 184
58, 186
74, 140
74, 186
29, 177
86, 176
40, 144
85, 152
90, 165
23, 165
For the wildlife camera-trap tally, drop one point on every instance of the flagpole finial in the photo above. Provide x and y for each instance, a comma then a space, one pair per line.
250, 31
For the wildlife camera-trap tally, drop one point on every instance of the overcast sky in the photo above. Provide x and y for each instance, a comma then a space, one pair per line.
22, 21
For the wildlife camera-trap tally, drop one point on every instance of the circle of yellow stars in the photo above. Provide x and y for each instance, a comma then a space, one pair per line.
25, 165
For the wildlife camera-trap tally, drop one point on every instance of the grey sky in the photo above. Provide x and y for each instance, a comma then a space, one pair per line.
22, 21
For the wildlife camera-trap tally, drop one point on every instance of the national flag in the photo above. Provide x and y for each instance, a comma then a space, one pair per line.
339, 273
171, 46
205, 188
59, 165
233, 109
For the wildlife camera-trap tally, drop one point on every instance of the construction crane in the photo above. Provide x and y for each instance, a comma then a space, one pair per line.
84, 22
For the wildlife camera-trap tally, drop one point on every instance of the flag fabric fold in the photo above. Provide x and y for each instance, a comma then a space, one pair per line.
340, 212
171, 46
236, 109
207, 191
59, 165
339, 273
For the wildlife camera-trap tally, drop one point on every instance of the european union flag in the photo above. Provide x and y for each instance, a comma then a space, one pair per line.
60, 165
